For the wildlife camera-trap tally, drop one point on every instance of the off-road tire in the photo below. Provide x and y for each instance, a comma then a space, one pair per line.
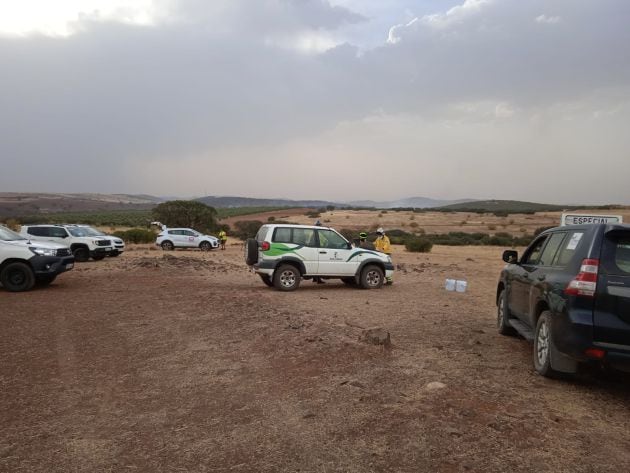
98, 257
372, 277
81, 254
543, 342
167, 245
46, 279
17, 277
266, 279
205, 246
251, 252
503, 316
286, 278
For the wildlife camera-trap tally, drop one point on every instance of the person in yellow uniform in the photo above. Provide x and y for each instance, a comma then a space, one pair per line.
383, 245
222, 238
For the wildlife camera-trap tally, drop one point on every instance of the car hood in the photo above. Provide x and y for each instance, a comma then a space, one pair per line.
33, 243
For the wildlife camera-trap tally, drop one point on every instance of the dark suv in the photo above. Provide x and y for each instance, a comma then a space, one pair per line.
570, 295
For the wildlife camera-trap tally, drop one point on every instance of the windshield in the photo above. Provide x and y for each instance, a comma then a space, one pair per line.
84, 232
9, 235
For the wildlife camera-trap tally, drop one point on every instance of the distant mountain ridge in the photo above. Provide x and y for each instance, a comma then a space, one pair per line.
415, 202
230, 201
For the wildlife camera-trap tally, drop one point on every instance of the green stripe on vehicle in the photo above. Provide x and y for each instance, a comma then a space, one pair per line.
280, 249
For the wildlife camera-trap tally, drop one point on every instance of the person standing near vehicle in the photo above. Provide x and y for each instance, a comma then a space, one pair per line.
364, 243
222, 238
382, 243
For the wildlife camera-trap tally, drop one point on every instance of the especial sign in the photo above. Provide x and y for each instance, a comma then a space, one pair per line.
581, 219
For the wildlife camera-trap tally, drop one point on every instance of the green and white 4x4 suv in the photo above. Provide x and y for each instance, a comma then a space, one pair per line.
284, 254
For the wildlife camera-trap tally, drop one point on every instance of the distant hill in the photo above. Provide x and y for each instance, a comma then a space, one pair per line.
415, 202
15, 204
228, 202
510, 206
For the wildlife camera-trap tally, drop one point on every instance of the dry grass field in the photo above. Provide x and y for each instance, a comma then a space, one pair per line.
186, 362
429, 222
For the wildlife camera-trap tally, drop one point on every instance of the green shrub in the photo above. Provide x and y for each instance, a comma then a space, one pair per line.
418, 245
136, 235
271, 219
245, 229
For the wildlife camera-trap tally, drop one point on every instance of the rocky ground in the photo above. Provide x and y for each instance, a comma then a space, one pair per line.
187, 362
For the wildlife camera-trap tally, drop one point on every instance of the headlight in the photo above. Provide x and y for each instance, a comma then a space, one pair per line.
43, 251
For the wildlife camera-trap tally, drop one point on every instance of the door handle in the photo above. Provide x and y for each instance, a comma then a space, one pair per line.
323, 252
526, 275
541, 278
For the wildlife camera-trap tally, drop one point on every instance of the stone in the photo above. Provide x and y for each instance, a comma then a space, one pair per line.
376, 336
435, 386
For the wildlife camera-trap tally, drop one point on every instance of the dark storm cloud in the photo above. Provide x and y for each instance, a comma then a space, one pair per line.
211, 76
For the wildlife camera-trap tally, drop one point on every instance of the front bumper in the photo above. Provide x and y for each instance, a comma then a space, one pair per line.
106, 250
45, 265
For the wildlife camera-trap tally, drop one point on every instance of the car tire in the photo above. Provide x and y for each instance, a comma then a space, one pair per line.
98, 257
266, 279
543, 344
81, 254
167, 245
17, 277
251, 252
503, 316
205, 246
46, 279
372, 277
349, 281
286, 278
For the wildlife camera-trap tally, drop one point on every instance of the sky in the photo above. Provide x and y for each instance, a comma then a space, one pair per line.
320, 99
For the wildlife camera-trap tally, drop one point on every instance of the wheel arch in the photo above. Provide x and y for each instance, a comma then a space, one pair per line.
500, 288
8, 261
299, 265
540, 307
374, 262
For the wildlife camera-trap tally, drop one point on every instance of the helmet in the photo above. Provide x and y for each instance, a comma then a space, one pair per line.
362, 235
380, 230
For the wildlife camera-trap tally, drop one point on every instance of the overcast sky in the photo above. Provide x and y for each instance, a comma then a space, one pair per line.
330, 99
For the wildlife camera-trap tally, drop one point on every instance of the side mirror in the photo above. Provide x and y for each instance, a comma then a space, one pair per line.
510, 256
349, 245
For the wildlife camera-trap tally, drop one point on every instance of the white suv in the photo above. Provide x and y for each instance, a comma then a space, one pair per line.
118, 245
171, 238
82, 243
24, 263
284, 254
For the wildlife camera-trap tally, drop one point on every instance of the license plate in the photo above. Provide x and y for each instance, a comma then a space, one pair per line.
70, 266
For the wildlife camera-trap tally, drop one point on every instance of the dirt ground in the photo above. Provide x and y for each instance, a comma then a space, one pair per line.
186, 362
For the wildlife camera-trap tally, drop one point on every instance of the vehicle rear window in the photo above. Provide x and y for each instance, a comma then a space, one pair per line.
569, 246
616, 254
262, 233
622, 255
282, 235
551, 249
297, 236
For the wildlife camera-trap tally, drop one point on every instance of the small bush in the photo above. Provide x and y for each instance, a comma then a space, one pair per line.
418, 245
413, 217
313, 214
271, 219
245, 229
136, 235
414, 225
492, 227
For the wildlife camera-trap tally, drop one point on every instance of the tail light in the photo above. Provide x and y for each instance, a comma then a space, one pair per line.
265, 245
585, 283
595, 353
